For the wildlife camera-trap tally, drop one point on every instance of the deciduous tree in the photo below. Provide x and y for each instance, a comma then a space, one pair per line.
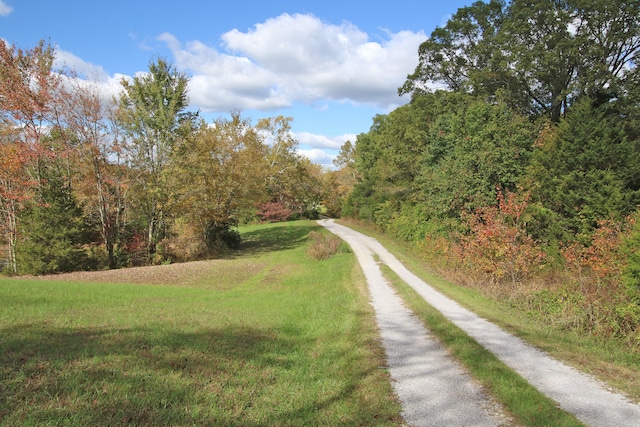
538, 56
153, 113
28, 90
290, 179
90, 118
219, 175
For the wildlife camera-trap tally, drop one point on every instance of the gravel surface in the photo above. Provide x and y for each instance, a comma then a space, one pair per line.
433, 388
411, 357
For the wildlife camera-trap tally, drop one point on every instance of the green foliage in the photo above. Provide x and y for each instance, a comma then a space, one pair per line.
218, 173
631, 252
472, 151
222, 235
291, 179
152, 112
53, 233
531, 54
540, 106
461, 149
584, 169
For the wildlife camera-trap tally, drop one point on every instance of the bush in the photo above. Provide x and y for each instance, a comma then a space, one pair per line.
274, 212
221, 235
498, 243
52, 234
631, 252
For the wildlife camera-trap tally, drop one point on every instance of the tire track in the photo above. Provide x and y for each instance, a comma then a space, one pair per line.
575, 392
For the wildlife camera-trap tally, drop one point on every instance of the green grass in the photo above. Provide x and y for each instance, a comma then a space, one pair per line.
268, 337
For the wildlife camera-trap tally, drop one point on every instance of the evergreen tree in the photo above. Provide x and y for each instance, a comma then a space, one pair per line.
52, 231
585, 169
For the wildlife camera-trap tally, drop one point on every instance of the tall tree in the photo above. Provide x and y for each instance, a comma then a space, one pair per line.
537, 55
90, 118
340, 183
28, 90
153, 114
221, 172
52, 228
14, 190
471, 151
461, 49
586, 169
288, 179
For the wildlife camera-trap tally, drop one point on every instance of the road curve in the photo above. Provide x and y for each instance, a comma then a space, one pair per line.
575, 392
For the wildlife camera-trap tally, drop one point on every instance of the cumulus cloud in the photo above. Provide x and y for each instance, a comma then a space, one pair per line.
222, 82
322, 141
297, 59
5, 9
108, 85
321, 149
68, 60
318, 156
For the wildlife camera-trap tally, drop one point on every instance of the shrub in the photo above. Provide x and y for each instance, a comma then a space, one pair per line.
274, 212
631, 252
497, 243
221, 235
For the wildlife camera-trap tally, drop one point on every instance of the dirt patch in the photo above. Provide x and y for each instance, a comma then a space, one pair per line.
209, 273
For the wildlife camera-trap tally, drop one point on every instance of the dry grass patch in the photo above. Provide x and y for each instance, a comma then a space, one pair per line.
219, 274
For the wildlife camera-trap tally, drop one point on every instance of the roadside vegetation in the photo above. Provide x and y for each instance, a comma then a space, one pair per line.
269, 336
519, 183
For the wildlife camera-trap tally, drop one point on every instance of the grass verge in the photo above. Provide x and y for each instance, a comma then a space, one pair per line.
524, 402
267, 337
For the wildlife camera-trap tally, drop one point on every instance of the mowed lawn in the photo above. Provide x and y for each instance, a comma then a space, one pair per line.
265, 337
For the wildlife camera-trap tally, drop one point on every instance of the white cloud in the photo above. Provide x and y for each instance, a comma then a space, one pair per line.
109, 86
5, 9
318, 156
68, 60
321, 149
297, 58
322, 141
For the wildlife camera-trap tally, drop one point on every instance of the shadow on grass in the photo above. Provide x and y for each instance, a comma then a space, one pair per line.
236, 376
277, 237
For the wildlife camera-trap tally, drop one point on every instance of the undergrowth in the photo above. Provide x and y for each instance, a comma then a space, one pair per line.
324, 245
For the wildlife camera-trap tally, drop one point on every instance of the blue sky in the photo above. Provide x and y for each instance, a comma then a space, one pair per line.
330, 65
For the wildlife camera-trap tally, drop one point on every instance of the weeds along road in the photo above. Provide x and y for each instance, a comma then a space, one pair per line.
435, 390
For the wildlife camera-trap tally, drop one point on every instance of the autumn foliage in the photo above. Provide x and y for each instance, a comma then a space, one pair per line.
274, 212
497, 243
92, 182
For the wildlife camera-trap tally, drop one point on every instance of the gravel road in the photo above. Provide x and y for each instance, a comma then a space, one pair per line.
434, 389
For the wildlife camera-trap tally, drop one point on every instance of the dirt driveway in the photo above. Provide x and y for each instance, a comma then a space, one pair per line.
434, 390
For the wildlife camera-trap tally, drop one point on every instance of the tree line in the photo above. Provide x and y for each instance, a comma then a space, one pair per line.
88, 182
516, 165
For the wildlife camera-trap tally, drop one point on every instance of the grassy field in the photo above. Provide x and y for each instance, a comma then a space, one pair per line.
268, 337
